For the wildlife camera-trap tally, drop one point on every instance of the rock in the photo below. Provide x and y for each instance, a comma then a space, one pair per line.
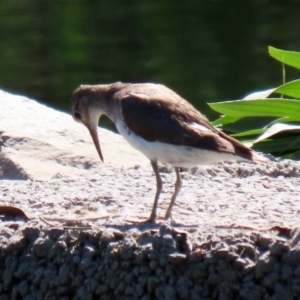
40, 142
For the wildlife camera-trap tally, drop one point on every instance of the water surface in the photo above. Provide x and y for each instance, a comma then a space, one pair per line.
207, 51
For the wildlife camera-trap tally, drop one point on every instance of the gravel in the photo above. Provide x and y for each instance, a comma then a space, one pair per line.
56, 264
234, 235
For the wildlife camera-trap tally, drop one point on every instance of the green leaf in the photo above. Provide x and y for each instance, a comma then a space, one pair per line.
225, 120
290, 58
263, 107
248, 118
277, 128
286, 120
247, 123
291, 89
236, 124
279, 145
252, 132
259, 95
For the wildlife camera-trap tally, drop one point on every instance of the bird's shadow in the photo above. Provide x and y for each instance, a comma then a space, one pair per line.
151, 226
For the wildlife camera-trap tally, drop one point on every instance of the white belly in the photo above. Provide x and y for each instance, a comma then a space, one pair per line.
179, 156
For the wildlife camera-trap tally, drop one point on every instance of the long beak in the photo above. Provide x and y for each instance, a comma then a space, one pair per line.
94, 135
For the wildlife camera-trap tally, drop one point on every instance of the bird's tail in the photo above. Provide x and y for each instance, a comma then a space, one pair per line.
257, 158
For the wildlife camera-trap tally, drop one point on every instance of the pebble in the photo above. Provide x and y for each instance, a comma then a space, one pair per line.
30, 233
170, 293
297, 271
152, 282
214, 279
240, 263
264, 241
41, 246
270, 280
197, 271
291, 258
277, 249
177, 258
16, 243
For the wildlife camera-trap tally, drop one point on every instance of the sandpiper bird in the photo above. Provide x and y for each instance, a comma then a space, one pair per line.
160, 124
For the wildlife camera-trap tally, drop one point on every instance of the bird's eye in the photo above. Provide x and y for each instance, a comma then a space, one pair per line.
77, 116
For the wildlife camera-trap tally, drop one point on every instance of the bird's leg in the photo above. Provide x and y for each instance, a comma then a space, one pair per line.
159, 185
178, 185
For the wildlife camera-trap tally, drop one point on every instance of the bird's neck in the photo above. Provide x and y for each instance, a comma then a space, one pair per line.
109, 109
107, 104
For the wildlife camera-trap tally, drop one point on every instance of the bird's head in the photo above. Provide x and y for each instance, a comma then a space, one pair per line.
86, 109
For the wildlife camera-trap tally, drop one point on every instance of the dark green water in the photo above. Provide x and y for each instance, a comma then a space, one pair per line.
207, 51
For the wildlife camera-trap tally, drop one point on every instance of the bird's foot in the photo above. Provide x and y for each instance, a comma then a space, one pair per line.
148, 221
168, 216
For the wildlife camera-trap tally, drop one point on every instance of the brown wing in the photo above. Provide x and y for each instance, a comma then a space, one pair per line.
171, 120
